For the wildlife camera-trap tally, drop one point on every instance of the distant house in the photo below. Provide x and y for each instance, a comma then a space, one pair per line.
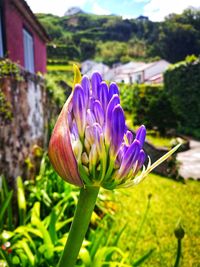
22, 37
139, 72
150, 72
122, 72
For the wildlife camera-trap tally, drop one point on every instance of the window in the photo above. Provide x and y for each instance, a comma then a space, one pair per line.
139, 78
28, 51
1, 37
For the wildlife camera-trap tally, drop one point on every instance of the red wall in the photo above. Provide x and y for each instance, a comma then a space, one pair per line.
14, 24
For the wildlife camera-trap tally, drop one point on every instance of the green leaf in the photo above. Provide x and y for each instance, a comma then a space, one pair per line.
85, 257
102, 253
5, 205
15, 260
60, 225
52, 227
143, 258
22, 244
35, 220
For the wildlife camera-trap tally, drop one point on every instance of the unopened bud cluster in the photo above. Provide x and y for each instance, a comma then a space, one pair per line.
105, 151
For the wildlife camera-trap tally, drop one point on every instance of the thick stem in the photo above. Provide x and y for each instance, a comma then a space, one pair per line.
84, 209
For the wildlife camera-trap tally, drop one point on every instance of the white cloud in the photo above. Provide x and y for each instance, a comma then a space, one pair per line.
141, 1
56, 7
98, 10
156, 10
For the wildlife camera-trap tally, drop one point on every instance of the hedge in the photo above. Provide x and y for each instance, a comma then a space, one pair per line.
152, 107
182, 83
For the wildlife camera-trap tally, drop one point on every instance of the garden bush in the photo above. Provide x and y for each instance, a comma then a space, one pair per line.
126, 96
182, 83
150, 105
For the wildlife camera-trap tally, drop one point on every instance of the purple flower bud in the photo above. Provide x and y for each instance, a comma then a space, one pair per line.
112, 104
130, 158
103, 95
140, 135
113, 90
90, 144
140, 161
118, 128
79, 109
96, 80
74, 130
121, 153
97, 133
89, 135
85, 83
90, 118
129, 136
99, 113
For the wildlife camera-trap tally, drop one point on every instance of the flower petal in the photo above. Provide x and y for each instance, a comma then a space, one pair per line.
99, 113
60, 149
79, 109
130, 157
118, 128
113, 90
96, 80
141, 134
112, 104
103, 95
85, 83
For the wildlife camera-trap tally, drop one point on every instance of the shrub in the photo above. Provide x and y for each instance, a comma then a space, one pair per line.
152, 107
126, 95
182, 83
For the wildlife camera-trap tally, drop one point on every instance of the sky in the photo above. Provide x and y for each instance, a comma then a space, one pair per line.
156, 10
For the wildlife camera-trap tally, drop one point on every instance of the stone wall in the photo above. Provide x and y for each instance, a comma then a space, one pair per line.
27, 129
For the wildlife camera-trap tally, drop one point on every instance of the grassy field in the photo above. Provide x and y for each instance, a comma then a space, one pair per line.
59, 68
170, 201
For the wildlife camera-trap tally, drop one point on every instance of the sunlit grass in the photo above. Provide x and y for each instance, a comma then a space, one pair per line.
170, 201
158, 140
59, 68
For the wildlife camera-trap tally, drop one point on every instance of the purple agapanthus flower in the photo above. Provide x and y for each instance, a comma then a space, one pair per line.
91, 144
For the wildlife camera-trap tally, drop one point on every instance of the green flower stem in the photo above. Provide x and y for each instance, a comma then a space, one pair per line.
178, 254
84, 209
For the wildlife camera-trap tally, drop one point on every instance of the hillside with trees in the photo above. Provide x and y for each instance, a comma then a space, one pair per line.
111, 39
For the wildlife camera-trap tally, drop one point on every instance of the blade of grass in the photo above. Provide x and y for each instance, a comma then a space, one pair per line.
5, 205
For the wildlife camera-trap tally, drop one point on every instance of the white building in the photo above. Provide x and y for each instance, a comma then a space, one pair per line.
132, 72
150, 72
89, 66
139, 72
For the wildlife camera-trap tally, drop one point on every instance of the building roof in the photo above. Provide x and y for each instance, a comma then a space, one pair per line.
25, 10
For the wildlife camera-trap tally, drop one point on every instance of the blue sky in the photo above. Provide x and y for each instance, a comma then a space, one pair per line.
156, 10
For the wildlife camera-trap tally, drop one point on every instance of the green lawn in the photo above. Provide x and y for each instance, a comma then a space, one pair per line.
59, 68
170, 201
158, 140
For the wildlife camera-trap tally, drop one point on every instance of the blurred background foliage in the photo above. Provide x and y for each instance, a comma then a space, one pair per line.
85, 36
